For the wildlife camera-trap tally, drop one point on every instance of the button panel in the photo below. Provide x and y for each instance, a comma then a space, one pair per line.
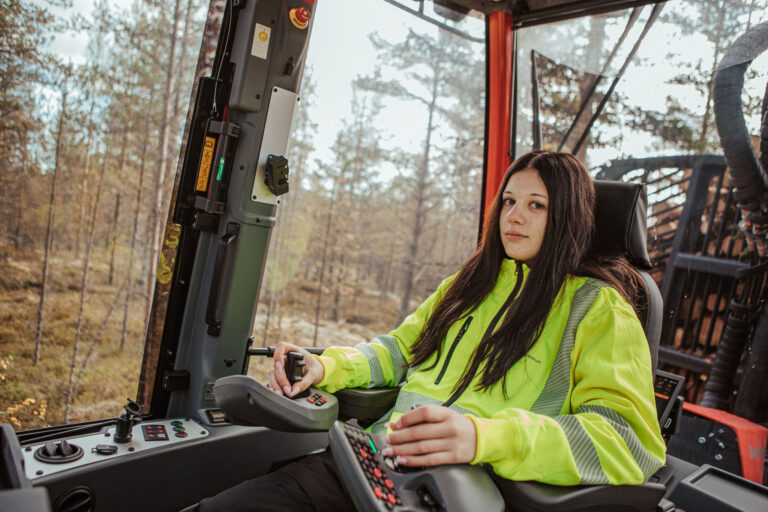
100, 446
154, 432
367, 457
317, 399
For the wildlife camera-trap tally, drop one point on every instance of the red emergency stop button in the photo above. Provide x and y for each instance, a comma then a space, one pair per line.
300, 17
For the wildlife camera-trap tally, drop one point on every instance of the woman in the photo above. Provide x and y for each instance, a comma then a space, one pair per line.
522, 360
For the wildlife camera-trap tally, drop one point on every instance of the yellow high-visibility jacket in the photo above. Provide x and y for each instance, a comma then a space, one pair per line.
580, 405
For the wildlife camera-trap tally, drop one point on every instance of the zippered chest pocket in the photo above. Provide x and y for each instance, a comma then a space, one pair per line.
456, 341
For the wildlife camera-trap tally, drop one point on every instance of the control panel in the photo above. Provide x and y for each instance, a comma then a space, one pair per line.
60, 455
248, 402
376, 482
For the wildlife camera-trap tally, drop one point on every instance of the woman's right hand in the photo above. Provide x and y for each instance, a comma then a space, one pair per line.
278, 380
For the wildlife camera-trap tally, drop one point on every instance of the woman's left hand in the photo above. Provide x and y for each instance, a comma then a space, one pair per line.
432, 435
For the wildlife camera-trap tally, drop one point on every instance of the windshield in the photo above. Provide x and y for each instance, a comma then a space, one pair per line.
660, 105
385, 162
387, 158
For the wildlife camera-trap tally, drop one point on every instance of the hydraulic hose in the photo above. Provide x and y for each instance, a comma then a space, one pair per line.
750, 187
747, 175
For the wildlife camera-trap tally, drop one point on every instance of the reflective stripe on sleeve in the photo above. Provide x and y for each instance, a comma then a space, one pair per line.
647, 463
399, 365
377, 374
552, 398
584, 454
384, 376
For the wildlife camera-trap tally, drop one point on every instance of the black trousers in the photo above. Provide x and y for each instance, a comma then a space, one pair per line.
311, 484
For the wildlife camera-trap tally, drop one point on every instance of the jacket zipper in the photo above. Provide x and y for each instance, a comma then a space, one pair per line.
453, 347
519, 274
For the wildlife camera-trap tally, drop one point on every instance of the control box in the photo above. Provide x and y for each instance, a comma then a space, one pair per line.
50, 457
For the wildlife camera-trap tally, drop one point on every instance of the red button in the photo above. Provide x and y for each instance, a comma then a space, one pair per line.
302, 14
389, 484
379, 494
364, 455
323, 399
311, 400
391, 498
377, 472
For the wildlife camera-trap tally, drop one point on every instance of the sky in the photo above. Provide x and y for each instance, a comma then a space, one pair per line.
340, 51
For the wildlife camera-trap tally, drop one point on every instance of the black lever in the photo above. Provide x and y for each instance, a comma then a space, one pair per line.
212, 311
126, 421
270, 351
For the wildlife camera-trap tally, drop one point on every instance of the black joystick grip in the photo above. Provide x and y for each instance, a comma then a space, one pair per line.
294, 366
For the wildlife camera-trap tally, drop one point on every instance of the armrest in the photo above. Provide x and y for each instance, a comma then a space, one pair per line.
538, 497
365, 404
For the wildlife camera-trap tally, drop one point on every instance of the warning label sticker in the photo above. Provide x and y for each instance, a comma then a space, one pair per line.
205, 164
260, 41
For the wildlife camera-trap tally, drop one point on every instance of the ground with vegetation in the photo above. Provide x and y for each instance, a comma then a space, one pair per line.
34, 396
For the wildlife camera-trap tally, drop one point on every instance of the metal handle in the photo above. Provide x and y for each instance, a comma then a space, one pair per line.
212, 312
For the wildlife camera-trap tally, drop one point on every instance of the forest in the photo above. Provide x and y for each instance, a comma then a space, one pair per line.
89, 151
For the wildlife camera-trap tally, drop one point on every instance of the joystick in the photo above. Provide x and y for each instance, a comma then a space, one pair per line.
294, 366
294, 370
126, 421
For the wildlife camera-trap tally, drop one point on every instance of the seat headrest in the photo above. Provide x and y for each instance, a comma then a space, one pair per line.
621, 221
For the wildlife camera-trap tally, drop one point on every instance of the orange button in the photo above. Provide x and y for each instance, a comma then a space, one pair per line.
363, 453
391, 498
377, 472
378, 492
389, 484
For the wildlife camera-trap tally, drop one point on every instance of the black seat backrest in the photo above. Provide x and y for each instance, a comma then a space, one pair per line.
621, 228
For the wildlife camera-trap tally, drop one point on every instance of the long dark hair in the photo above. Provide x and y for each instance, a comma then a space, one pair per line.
564, 251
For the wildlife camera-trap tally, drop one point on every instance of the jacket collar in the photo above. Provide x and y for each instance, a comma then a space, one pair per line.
508, 275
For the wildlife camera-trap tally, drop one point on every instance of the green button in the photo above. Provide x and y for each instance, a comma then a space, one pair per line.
178, 429
373, 447
176, 423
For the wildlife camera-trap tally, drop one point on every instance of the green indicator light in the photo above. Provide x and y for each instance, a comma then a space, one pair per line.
221, 169
373, 447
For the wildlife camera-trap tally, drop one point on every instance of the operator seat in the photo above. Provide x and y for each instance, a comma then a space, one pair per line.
621, 228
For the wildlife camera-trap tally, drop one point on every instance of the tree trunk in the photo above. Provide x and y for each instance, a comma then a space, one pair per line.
49, 231
322, 263
19, 217
158, 206
265, 337
422, 178
112, 244
83, 291
84, 181
157, 314
337, 291
182, 55
134, 234
715, 59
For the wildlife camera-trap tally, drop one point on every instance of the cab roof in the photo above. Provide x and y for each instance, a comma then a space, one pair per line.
535, 12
